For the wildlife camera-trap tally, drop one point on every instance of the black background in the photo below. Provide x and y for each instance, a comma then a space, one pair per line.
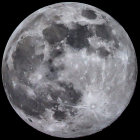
127, 14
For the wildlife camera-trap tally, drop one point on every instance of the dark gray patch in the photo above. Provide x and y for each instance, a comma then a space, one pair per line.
18, 96
104, 32
59, 115
32, 107
73, 130
22, 57
116, 43
77, 37
103, 52
53, 104
55, 33
52, 74
135, 73
50, 104
90, 14
56, 52
90, 50
30, 120
42, 95
53, 93
56, 17
66, 94
71, 95
42, 47
72, 110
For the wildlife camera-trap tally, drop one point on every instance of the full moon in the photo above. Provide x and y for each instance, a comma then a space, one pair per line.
69, 70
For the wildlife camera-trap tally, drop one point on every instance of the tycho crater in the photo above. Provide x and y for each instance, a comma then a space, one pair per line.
69, 70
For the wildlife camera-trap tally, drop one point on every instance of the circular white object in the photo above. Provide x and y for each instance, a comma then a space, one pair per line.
69, 70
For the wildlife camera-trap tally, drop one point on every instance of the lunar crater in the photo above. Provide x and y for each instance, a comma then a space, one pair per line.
55, 33
90, 14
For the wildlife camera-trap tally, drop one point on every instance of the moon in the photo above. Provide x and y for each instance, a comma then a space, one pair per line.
69, 70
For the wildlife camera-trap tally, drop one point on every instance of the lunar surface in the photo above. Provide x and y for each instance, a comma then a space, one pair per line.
69, 70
